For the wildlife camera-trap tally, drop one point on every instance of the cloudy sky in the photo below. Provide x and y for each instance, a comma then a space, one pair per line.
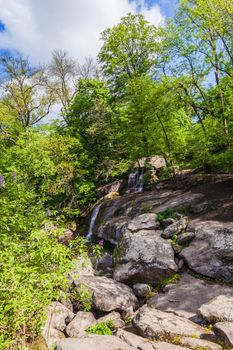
37, 27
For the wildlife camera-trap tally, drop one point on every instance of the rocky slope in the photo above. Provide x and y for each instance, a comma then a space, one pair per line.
168, 282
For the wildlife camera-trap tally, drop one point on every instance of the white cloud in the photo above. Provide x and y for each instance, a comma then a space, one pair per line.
37, 27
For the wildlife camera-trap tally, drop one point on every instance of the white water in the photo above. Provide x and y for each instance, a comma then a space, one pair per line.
135, 180
92, 222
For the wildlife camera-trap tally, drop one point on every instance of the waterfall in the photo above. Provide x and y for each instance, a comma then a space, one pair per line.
135, 180
94, 215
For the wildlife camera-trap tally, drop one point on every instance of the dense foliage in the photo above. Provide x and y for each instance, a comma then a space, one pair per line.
166, 91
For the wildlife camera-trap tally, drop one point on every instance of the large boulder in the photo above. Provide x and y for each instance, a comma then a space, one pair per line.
143, 222
218, 309
134, 340
51, 337
186, 296
112, 229
143, 257
211, 252
107, 294
78, 326
95, 342
58, 316
155, 324
197, 344
144, 344
156, 162
224, 333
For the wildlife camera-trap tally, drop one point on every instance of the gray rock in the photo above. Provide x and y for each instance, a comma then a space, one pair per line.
104, 262
211, 252
143, 257
94, 342
144, 344
115, 317
134, 340
167, 222
197, 344
175, 228
52, 336
155, 324
112, 229
77, 327
198, 208
167, 346
218, 309
141, 289
185, 238
143, 222
186, 296
107, 294
224, 332
58, 316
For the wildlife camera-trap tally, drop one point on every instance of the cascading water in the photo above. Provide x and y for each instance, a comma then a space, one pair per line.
135, 180
92, 222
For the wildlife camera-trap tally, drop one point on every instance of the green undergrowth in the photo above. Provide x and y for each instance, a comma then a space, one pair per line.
102, 328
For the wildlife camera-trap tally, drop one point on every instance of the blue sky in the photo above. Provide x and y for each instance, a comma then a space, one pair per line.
37, 27
167, 6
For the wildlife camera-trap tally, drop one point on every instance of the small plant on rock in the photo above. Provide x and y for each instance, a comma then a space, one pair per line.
166, 214
170, 280
103, 328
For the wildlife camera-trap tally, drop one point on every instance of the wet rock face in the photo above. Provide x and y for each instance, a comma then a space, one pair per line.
107, 294
112, 230
211, 252
145, 257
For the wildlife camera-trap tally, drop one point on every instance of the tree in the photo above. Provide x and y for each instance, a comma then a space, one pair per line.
63, 74
25, 90
130, 49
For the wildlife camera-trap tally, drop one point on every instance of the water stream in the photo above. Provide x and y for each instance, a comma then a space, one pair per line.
94, 215
135, 180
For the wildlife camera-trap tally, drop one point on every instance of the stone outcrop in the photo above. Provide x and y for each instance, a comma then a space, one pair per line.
211, 252
197, 344
186, 296
224, 333
143, 222
155, 324
143, 256
77, 327
218, 309
94, 342
107, 294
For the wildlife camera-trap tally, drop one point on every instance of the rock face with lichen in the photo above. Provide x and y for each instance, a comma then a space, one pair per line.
144, 256
211, 252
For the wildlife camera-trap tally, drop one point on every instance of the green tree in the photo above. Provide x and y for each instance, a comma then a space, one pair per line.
130, 49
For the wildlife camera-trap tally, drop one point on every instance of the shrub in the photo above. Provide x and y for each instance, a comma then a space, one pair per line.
103, 328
